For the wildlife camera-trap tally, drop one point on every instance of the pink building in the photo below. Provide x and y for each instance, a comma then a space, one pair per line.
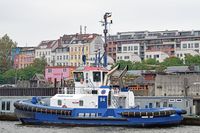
58, 73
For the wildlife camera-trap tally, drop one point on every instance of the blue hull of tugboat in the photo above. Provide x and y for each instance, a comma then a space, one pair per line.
38, 114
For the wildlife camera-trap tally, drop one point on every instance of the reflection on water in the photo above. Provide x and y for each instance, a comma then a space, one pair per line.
17, 127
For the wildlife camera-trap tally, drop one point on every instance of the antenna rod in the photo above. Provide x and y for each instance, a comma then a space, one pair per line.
105, 31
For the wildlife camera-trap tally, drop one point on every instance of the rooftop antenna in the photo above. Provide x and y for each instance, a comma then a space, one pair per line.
85, 27
80, 29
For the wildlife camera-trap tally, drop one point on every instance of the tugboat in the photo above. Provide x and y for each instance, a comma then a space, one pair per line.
94, 102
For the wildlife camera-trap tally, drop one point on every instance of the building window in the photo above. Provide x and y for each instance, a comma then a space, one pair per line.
135, 47
150, 105
60, 57
57, 57
124, 48
49, 70
80, 102
170, 105
186, 103
126, 57
157, 104
188, 45
63, 57
165, 104
178, 100
64, 70
8, 105
171, 100
129, 48
196, 45
71, 57
59, 102
184, 45
3, 105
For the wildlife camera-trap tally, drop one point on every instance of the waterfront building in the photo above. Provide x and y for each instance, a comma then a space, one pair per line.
181, 84
22, 56
44, 50
112, 50
58, 73
15, 51
128, 52
182, 102
60, 56
168, 43
85, 44
23, 60
158, 55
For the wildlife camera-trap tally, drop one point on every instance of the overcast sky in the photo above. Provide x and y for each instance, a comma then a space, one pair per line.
30, 21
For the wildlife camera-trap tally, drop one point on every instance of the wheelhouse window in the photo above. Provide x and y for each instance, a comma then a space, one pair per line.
78, 76
96, 76
59, 102
81, 103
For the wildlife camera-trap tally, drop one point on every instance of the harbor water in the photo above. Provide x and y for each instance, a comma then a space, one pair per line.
17, 127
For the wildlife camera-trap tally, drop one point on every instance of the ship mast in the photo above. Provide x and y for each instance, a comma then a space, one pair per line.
105, 31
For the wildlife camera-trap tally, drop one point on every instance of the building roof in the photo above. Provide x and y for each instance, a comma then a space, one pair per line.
177, 69
39, 77
73, 38
47, 44
60, 67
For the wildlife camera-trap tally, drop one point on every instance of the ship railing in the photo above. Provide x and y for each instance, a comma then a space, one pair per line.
115, 102
92, 85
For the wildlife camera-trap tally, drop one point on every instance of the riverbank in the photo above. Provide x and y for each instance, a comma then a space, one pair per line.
191, 120
17, 127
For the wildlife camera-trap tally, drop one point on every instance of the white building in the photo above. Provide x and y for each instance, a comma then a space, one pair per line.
158, 55
128, 57
131, 48
129, 52
181, 53
45, 49
191, 45
60, 56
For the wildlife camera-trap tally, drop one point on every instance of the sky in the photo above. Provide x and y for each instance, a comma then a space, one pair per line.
28, 22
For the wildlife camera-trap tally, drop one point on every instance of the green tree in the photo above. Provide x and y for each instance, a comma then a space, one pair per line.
172, 61
9, 76
40, 64
151, 61
192, 60
6, 45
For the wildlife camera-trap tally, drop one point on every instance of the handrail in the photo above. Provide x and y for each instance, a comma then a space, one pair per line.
105, 82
